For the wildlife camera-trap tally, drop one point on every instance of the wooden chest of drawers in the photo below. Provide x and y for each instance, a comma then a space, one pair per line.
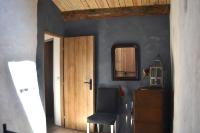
148, 111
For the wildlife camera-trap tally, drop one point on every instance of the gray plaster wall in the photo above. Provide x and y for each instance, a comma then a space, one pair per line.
151, 33
49, 20
18, 35
185, 44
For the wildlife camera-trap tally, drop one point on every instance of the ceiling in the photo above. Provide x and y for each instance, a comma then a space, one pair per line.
74, 5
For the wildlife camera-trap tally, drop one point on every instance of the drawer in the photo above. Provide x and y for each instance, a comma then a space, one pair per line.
148, 128
153, 99
154, 115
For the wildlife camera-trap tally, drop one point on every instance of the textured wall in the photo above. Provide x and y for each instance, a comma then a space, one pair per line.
185, 44
151, 33
49, 19
18, 35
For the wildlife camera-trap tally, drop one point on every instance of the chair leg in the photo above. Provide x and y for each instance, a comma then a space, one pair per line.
88, 127
115, 127
112, 128
98, 128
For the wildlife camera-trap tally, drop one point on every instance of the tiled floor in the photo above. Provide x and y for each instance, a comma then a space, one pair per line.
51, 128
56, 129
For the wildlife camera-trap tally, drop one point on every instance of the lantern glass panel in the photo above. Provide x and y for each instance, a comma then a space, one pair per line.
159, 72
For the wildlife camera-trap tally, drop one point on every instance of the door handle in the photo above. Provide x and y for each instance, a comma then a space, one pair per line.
90, 83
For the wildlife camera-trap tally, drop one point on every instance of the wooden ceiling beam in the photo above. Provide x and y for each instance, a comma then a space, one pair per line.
117, 12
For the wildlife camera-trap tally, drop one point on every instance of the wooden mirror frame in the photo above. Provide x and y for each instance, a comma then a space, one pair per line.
124, 45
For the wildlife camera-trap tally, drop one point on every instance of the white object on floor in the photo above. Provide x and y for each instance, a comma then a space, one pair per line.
98, 128
24, 76
112, 128
88, 127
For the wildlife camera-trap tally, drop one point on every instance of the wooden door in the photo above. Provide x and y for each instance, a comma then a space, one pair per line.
78, 68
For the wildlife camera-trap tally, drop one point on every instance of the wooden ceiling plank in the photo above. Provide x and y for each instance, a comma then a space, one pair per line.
76, 4
108, 3
145, 2
134, 2
153, 2
167, 1
162, 1
128, 3
157, 2
85, 4
116, 3
113, 3
102, 3
99, 6
71, 5
81, 4
122, 3
92, 4
139, 2
150, 2
117, 12
59, 5
68, 5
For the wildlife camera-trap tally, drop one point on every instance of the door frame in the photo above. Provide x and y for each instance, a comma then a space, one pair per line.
94, 70
61, 73
45, 47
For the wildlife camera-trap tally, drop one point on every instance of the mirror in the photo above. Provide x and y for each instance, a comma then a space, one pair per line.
125, 62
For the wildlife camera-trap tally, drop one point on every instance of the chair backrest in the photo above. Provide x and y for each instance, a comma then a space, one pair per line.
107, 100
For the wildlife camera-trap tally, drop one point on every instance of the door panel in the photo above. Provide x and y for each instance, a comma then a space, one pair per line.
78, 68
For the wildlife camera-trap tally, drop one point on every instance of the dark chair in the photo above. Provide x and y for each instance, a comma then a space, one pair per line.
106, 108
